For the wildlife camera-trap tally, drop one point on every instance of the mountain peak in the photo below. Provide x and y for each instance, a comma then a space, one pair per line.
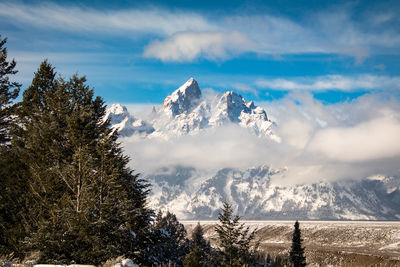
232, 104
188, 84
125, 123
183, 99
117, 109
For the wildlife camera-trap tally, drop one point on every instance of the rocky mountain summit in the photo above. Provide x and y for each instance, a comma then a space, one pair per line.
183, 100
125, 123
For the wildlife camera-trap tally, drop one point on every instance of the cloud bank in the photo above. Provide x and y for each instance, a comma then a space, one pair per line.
331, 82
351, 140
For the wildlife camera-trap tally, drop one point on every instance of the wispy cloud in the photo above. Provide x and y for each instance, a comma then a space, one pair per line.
324, 33
72, 18
189, 45
332, 82
182, 35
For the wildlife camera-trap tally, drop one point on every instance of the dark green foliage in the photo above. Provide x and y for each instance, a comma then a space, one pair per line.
86, 205
236, 245
37, 138
201, 253
297, 257
8, 91
13, 206
171, 244
12, 187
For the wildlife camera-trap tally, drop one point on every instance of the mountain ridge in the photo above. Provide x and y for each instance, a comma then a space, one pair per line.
185, 111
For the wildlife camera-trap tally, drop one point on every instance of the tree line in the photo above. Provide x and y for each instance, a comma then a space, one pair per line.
67, 194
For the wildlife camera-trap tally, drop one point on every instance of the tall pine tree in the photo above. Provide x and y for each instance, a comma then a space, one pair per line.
297, 257
37, 140
88, 206
12, 185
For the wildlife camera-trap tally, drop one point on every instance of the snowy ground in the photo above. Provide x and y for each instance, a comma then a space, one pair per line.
335, 243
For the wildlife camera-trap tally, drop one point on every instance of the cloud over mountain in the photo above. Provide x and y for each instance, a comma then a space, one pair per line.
316, 141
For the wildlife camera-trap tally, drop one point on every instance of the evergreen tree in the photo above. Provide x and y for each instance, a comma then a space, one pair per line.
297, 257
235, 241
37, 139
12, 187
201, 252
8, 91
87, 205
171, 244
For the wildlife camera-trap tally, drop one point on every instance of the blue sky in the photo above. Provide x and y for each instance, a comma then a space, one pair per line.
140, 51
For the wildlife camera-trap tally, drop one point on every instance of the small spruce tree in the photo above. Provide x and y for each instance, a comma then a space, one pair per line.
200, 254
236, 243
297, 257
171, 244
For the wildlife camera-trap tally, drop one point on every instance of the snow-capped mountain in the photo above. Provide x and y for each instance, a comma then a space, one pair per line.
183, 100
125, 123
189, 112
198, 194
185, 111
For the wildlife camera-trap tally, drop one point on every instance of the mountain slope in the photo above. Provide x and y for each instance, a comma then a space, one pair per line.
195, 195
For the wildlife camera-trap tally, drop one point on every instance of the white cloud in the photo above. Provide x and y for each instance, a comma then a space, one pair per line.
332, 31
351, 140
75, 18
214, 148
187, 46
329, 82
372, 140
296, 133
